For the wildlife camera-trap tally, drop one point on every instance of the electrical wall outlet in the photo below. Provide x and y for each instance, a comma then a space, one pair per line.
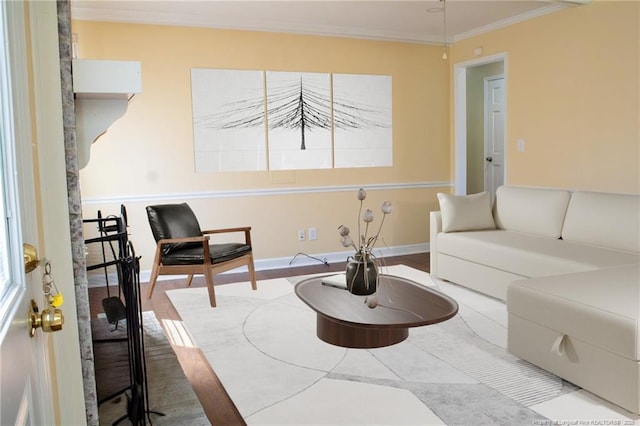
313, 234
300, 234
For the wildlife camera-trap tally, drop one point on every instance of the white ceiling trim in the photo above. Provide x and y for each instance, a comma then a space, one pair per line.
189, 20
554, 7
143, 17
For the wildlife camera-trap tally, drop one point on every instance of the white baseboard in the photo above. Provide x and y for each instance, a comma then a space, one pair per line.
301, 259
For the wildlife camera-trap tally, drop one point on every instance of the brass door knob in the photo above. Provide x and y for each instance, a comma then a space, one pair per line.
30, 255
50, 319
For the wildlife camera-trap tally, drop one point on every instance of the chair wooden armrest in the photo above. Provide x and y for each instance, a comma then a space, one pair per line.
225, 230
245, 229
182, 240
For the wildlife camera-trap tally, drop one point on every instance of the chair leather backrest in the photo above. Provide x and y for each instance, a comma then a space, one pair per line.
173, 221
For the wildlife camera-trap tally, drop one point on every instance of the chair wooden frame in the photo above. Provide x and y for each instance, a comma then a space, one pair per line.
206, 268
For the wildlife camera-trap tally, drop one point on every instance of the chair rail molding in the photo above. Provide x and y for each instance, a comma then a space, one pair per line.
158, 198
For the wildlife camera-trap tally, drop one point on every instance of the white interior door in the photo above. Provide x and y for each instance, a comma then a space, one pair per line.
494, 140
25, 385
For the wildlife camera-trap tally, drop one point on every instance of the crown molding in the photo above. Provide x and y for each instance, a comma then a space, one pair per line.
133, 16
553, 7
83, 13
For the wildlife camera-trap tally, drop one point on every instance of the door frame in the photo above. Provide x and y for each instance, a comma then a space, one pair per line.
49, 157
460, 117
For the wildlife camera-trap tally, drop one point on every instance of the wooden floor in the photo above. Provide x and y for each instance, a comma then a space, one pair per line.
214, 399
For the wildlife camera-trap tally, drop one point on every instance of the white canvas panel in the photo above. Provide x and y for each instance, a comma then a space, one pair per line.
296, 159
228, 116
299, 120
362, 106
225, 161
207, 161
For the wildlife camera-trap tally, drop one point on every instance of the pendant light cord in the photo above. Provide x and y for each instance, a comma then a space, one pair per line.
444, 19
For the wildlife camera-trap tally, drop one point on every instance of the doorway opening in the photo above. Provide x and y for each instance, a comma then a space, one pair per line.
480, 109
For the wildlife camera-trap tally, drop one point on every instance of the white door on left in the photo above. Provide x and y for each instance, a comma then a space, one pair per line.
25, 384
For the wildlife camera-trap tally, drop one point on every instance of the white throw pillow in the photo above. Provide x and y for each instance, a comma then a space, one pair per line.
466, 212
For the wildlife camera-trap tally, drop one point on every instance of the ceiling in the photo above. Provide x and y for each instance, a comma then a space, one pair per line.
419, 21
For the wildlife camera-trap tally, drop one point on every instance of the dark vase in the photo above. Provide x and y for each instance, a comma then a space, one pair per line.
361, 278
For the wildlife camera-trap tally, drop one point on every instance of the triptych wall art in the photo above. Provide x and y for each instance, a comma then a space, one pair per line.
267, 120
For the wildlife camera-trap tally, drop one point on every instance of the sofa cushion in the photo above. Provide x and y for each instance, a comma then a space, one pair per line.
599, 307
532, 210
466, 212
529, 255
604, 219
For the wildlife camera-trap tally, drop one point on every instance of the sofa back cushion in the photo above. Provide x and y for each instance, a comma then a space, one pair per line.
604, 219
538, 211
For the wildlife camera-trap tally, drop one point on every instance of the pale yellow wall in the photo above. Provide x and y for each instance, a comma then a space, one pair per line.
150, 150
475, 123
573, 95
573, 90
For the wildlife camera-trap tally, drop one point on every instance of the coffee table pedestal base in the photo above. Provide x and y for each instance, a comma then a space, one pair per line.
349, 336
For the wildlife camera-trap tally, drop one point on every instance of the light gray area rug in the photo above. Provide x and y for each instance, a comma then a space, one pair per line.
169, 390
263, 346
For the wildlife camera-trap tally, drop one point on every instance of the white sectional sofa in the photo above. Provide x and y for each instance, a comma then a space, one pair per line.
568, 266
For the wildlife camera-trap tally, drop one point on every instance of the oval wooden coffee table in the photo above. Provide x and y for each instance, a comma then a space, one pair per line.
344, 319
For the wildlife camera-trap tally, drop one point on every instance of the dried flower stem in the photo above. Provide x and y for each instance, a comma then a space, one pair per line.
364, 237
379, 229
359, 215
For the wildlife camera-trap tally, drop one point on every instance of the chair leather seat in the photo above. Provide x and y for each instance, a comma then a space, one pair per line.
218, 252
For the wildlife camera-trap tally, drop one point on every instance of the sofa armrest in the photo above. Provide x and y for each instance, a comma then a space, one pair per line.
435, 227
